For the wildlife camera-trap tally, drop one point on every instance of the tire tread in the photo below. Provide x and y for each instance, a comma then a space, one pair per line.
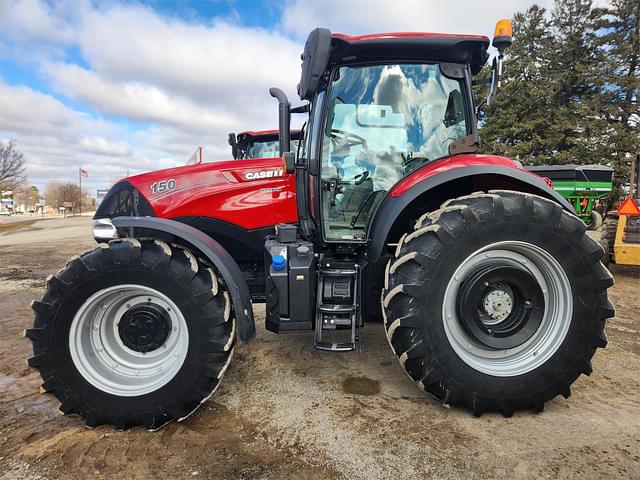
149, 254
432, 232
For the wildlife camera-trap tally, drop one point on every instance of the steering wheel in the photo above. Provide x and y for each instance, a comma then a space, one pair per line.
340, 138
359, 179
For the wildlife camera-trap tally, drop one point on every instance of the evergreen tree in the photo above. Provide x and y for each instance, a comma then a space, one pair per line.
518, 124
548, 111
576, 84
619, 41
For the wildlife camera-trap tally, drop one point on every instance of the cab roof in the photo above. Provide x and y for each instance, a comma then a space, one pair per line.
266, 135
403, 46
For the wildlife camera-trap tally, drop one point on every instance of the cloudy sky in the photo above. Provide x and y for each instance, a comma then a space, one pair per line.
130, 86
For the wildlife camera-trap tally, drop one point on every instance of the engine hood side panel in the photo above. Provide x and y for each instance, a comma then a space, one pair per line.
251, 194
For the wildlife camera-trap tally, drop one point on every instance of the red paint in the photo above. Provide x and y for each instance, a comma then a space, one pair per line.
228, 190
255, 133
451, 163
258, 133
221, 190
381, 36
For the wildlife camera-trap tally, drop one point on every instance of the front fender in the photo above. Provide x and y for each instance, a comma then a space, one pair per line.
208, 248
401, 198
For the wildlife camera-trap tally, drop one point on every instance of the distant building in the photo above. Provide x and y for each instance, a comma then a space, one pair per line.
6, 202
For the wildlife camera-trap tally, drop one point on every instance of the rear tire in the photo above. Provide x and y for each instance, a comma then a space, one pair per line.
133, 333
497, 302
607, 240
596, 220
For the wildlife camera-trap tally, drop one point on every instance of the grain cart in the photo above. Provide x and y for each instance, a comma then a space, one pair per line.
259, 144
582, 186
491, 294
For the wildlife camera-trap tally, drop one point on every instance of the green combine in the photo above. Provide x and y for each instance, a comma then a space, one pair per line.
582, 185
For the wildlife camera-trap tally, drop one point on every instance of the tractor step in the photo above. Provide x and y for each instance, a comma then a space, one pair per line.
335, 347
336, 308
338, 305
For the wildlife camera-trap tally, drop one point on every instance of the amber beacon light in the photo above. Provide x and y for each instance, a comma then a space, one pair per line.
503, 35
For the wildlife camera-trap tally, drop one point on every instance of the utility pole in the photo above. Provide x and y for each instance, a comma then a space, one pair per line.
634, 184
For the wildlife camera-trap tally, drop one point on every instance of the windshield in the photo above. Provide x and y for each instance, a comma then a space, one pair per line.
383, 122
269, 149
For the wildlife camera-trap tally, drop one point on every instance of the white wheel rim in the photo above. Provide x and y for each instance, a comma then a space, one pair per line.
550, 333
102, 358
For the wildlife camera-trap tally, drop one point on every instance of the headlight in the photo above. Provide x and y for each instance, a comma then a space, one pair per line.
104, 230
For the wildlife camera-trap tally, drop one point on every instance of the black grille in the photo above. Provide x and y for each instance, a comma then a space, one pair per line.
124, 200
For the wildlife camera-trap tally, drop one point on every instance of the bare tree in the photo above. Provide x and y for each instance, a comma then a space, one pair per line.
52, 195
57, 194
12, 168
28, 197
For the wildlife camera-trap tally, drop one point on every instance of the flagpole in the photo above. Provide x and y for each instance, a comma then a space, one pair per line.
80, 181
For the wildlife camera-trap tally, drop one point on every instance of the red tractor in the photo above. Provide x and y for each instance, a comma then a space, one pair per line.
492, 296
260, 144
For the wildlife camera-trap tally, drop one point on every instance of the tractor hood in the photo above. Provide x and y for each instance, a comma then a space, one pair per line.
248, 193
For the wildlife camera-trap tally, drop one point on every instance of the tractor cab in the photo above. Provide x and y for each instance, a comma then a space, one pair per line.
380, 108
259, 144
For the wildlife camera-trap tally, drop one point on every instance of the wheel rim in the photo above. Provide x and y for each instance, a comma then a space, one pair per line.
507, 308
128, 340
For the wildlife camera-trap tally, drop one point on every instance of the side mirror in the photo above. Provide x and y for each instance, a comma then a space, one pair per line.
289, 162
234, 145
314, 62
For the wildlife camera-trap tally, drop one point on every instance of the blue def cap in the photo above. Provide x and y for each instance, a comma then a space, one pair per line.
278, 262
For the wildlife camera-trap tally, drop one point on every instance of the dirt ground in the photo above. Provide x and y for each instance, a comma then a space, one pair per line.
287, 411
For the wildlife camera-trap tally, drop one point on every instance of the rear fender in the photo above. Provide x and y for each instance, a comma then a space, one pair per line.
401, 201
206, 247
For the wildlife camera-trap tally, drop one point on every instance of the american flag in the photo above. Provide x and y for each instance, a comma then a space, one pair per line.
84, 173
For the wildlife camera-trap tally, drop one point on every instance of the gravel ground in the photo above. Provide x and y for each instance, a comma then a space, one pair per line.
287, 411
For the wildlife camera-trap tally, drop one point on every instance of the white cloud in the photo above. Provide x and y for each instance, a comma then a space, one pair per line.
34, 21
135, 43
104, 147
202, 77
56, 139
370, 16
136, 101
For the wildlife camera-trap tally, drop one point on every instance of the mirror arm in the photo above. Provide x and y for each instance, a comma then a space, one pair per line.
495, 79
499, 75
304, 108
479, 107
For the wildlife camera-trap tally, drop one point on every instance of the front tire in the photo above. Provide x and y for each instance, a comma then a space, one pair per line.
133, 333
497, 302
